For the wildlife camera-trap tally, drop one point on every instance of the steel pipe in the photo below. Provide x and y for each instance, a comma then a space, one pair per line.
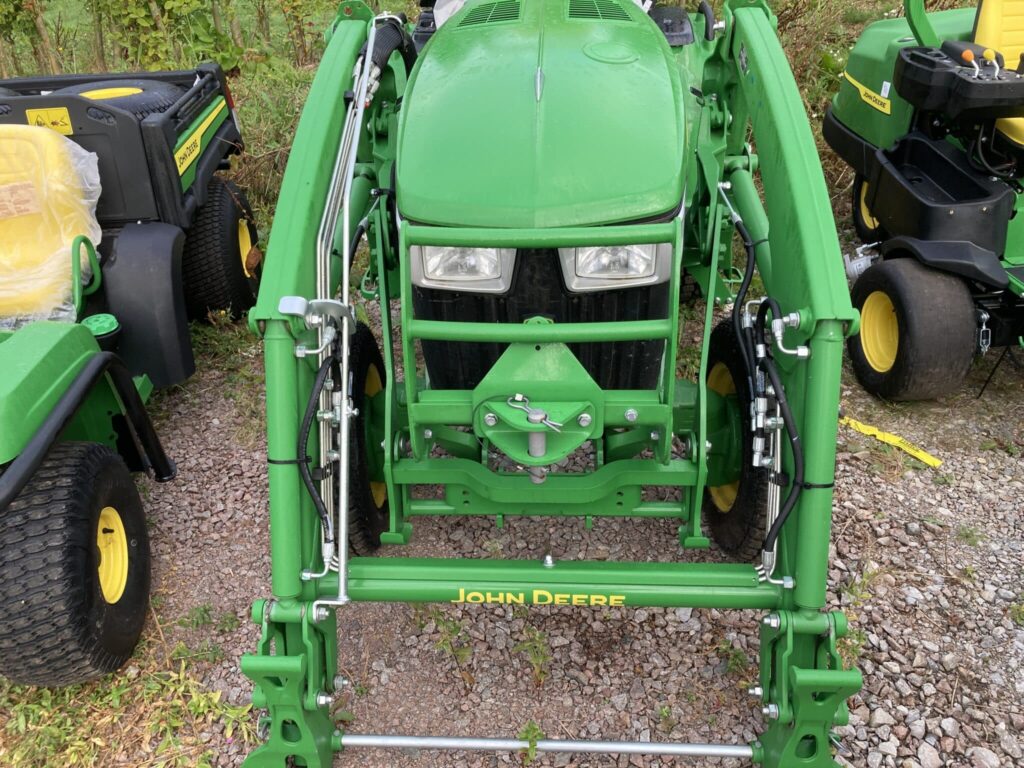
547, 745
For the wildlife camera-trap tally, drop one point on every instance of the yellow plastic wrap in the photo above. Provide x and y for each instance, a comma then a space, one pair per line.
49, 187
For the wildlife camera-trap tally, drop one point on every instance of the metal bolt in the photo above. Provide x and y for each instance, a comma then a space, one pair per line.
585, 420
631, 415
655, 436
771, 711
340, 681
490, 419
324, 699
707, 445
320, 613
428, 434
772, 620
549, 561
757, 692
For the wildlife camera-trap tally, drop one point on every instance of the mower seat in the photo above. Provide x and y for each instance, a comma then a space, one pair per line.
999, 25
49, 187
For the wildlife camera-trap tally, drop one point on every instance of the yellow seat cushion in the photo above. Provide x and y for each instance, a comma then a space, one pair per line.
999, 25
48, 192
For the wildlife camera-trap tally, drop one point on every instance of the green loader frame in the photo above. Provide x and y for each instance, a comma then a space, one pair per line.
740, 88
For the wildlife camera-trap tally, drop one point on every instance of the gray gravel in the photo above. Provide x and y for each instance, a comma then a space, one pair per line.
926, 562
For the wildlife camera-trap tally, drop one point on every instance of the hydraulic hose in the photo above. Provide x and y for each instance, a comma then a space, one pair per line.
767, 364
301, 449
391, 37
744, 340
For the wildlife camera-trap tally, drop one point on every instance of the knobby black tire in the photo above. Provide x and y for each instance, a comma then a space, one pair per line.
57, 627
739, 531
155, 96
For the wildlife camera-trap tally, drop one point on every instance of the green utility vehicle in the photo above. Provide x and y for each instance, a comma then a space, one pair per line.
532, 177
930, 116
114, 230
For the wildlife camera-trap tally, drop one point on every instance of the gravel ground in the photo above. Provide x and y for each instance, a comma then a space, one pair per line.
926, 562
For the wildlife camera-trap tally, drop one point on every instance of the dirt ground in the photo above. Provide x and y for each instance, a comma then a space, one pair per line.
927, 563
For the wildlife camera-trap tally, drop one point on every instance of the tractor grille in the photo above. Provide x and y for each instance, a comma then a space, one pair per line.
606, 10
491, 13
538, 289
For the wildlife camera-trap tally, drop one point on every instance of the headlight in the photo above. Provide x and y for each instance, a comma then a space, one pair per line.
479, 270
616, 262
604, 267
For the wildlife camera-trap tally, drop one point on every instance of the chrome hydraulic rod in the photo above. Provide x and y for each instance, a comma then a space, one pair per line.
742, 751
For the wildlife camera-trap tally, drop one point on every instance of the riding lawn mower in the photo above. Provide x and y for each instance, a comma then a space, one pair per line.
930, 116
532, 178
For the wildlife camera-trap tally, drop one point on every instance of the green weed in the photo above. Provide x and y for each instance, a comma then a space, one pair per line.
228, 622
736, 661
1017, 614
530, 733
666, 722
969, 535
538, 653
455, 643
198, 616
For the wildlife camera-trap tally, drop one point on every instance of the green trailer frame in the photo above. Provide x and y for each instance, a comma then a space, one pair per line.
744, 80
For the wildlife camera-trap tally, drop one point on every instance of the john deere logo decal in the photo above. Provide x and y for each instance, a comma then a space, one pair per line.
876, 100
539, 597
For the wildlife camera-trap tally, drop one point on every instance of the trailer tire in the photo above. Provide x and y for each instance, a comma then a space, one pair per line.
370, 514
218, 275
868, 228
74, 578
140, 97
918, 331
735, 513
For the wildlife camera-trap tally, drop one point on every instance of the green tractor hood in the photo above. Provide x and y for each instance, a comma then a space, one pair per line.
542, 114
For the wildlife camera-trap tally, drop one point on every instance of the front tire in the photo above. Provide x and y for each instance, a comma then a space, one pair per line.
221, 264
918, 331
74, 579
734, 512
370, 514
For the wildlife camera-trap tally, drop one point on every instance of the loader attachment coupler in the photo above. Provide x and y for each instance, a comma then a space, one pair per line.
549, 332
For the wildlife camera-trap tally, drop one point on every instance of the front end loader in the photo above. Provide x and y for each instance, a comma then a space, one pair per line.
534, 180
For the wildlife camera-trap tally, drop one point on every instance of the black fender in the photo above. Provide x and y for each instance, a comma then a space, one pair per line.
960, 258
143, 286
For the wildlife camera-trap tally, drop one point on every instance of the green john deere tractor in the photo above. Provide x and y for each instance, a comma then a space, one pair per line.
532, 179
115, 229
930, 116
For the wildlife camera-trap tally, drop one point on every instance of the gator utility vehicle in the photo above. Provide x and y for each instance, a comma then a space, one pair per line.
930, 116
532, 177
113, 229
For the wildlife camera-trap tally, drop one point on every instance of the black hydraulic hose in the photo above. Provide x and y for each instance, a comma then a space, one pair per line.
356, 237
300, 451
391, 37
709, 19
767, 364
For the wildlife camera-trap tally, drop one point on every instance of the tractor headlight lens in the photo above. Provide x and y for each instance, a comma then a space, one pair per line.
615, 262
454, 263
483, 270
607, 267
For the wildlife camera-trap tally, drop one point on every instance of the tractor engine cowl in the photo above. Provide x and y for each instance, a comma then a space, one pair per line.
506, 124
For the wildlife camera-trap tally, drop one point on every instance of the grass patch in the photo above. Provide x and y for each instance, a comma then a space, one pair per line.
736, 660
155, 712
969, 535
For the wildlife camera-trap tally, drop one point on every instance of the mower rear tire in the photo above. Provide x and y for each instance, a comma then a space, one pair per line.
918, 331
868, 228
221, 263
735, 513
140, 97
370, 514
74, 578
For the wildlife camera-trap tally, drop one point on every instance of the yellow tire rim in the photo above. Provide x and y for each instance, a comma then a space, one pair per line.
371, 387
112, 543
721, 381
865, 213
105, 94
244, 244
879, 331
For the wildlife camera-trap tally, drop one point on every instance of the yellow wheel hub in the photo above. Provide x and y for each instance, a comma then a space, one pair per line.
720, 381
371, 387
244, 244
105, 94
879, 331
112, 543
865, 213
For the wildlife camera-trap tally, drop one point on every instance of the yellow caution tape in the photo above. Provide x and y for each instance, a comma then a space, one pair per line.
890, 439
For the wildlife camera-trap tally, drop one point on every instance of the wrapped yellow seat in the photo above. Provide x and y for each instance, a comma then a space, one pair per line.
49, 187
999, 25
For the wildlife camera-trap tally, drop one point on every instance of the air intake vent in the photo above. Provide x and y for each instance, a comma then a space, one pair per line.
491, 13
606, 10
